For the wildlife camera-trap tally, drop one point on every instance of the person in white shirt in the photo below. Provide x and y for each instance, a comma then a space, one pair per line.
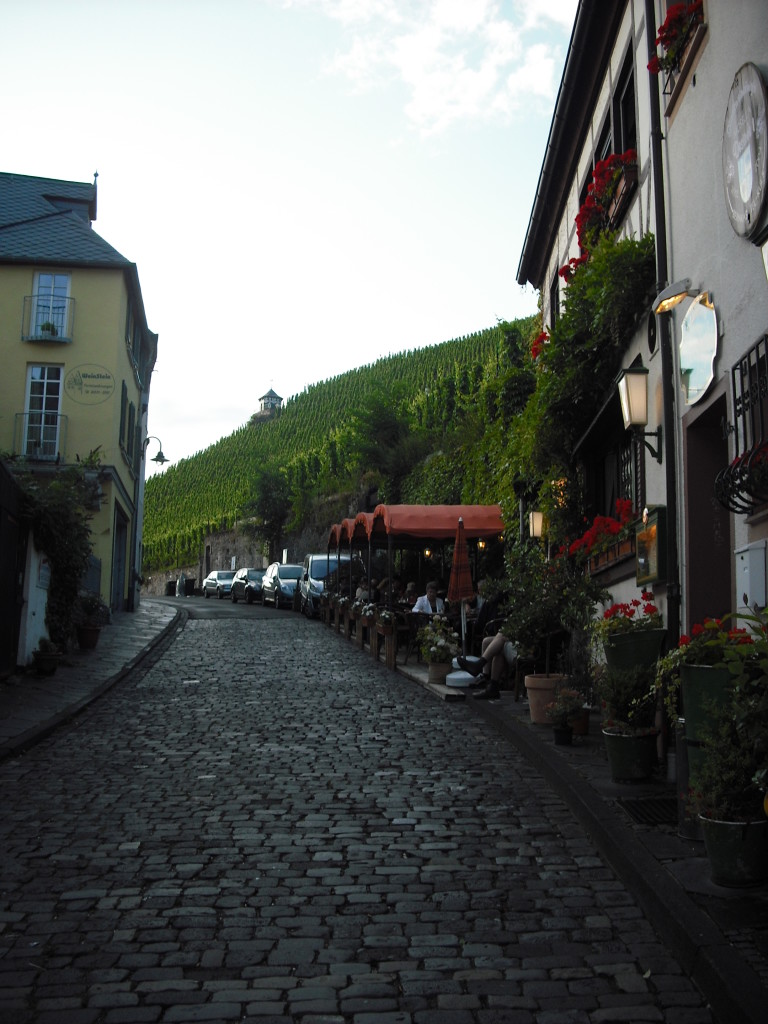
430, 603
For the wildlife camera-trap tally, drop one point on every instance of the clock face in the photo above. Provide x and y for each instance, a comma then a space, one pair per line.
745, 151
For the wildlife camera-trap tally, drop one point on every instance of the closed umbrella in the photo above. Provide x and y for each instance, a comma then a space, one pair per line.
460, 583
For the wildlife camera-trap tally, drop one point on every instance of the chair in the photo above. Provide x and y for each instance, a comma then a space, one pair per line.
414, 622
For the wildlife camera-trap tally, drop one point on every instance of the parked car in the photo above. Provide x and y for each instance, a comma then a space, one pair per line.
218, 582
318, 571
247, 585
279, 584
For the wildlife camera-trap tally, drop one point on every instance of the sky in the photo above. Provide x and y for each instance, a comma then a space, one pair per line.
305, 186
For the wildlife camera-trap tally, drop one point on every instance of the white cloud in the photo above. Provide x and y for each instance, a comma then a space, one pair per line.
459, 60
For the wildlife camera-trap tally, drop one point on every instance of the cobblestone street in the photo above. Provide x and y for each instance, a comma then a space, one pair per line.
266, 824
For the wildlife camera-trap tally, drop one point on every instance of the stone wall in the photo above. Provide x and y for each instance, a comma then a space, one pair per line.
218, 551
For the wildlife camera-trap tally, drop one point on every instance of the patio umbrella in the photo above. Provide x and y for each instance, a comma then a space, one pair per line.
460, 583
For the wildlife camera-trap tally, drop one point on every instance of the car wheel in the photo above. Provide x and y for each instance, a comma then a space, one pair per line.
263, 599
206, 594
233, 595
219, 594
249, 597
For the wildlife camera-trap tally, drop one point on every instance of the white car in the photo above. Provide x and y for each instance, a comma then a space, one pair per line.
218, 582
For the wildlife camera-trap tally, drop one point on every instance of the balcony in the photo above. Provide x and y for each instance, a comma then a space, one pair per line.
39, 436
49, 321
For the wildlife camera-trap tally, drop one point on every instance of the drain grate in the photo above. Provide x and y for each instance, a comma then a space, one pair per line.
656, 810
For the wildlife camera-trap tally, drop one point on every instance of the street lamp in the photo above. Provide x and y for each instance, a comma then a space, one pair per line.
160, 459
633, 392
672, 296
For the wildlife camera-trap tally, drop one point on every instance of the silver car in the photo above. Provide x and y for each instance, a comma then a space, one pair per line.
247, 584
218, 582
279, 584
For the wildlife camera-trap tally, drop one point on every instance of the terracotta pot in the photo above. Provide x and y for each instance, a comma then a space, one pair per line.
438, 670
88, 636
541, 691
580, 725
563, 735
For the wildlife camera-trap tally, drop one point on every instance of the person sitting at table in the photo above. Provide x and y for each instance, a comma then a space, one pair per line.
411, 594
430, 603
361, 593
473, 604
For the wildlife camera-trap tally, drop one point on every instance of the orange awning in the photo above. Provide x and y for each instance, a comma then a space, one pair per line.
435, 522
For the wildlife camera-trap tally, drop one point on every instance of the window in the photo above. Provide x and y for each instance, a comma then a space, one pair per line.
123, 413
42, 412
624, 117
554, 301
131, 429
50, 304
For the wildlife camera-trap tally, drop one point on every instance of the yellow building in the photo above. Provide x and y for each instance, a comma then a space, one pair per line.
77, 357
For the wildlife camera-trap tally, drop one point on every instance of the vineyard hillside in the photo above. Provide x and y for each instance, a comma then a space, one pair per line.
392, 430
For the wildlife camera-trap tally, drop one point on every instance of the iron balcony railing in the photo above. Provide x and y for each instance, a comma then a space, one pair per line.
48, 320
40, 436
742, 486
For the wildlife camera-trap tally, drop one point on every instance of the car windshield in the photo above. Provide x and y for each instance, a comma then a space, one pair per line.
290, 572
321, 568
255, 574
225, 575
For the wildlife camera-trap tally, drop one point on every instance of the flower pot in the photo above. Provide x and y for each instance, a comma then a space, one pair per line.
580, 725
638, 648
437, 671
88, 636
701, 687
737, 851
46, 662
541, 691
688, 825
563, 735
630, 758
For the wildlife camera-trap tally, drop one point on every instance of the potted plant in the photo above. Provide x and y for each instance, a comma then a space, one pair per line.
90, 615
631, 632
562, 712
46, 657
439, 644
674, 35
48, 329
548, 600
628, 700
728, 787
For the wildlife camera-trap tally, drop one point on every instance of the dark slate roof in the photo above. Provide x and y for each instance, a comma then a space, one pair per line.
44, 220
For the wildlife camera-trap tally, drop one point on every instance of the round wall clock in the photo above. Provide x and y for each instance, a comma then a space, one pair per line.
745, 151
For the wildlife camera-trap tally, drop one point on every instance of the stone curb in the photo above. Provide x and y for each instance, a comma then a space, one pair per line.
40, 730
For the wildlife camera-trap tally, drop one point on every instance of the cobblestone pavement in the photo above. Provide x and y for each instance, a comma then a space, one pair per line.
239, 832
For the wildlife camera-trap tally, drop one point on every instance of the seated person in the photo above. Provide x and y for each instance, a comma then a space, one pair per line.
430, 603
491, 665
473, 604
411, 596
361, 594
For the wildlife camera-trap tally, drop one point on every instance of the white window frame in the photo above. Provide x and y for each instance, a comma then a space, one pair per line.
51, 302
42, 410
